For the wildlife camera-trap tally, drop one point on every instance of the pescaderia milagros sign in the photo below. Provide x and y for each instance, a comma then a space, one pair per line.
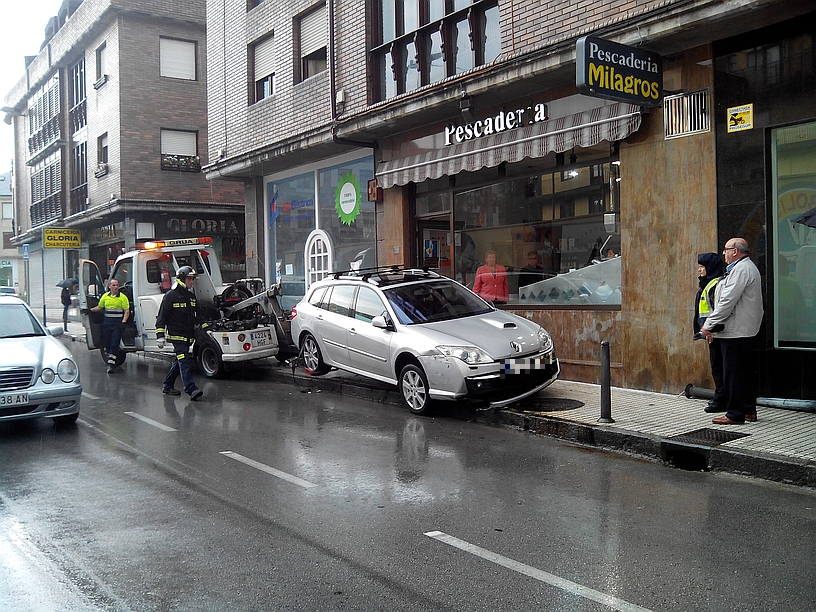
608, 70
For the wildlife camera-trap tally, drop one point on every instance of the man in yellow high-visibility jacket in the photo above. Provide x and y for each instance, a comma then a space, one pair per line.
117, 310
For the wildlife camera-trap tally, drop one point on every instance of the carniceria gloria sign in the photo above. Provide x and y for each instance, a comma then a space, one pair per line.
608, 70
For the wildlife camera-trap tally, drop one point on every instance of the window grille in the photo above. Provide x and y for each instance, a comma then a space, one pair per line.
687, 113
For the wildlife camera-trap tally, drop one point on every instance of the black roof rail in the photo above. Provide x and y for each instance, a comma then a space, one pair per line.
369, 271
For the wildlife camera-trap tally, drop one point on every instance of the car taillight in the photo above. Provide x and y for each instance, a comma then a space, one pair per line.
294, 313
247, 346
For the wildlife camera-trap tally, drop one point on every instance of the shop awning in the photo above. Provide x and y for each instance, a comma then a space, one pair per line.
612, 122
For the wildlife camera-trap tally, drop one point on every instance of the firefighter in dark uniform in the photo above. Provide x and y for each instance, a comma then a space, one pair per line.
177, 322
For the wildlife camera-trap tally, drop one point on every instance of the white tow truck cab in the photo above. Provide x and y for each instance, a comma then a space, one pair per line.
148, 272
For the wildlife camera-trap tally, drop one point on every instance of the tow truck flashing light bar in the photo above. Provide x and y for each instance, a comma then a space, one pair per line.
158, 244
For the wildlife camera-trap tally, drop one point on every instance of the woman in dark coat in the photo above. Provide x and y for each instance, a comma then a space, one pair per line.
709, 271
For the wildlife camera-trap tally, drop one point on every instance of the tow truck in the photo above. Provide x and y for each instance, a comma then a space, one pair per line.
244, 319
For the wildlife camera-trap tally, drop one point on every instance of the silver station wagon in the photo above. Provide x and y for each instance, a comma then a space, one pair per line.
429, 335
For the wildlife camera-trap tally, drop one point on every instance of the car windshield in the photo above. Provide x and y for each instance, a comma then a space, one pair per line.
434, 301
16, 321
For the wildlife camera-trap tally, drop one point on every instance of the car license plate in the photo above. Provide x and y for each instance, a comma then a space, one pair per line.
13, 399
524, 365
260, 338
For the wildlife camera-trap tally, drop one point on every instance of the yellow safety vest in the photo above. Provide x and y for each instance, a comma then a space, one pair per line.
707, 298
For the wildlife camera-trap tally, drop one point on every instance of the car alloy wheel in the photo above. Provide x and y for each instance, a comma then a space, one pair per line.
413, 385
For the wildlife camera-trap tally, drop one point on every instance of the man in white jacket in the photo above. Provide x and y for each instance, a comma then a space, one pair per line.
735, 321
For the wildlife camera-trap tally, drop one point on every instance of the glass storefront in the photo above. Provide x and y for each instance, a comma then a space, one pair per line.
793, 166
555, 234
330, 196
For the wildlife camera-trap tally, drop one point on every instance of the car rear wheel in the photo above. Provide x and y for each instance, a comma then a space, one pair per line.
413, 385
312, 357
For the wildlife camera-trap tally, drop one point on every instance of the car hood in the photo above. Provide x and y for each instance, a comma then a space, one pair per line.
493, 333
30, 352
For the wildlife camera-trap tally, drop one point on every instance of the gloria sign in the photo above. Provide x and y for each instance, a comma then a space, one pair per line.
55, 238
608, 70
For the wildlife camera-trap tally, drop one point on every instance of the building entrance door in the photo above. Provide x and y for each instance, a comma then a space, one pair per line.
435, 249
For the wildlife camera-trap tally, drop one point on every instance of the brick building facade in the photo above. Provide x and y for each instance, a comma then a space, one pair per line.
110, 123
615, 198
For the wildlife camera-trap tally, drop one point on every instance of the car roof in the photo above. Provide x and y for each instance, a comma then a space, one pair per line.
6, 298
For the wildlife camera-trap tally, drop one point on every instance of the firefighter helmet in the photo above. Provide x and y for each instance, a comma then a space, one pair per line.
185, 272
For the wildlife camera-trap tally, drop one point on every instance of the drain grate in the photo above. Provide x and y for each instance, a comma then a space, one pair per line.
707, 436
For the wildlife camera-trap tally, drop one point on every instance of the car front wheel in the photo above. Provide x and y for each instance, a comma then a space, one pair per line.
413, 385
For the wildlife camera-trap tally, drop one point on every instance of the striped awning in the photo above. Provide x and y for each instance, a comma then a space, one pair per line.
612, 122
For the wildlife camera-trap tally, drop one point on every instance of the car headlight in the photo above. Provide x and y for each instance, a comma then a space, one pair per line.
469, 354
67, 370
545, 340
47, 376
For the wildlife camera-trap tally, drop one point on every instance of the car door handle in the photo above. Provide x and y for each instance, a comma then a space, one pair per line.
352, 331
319, 317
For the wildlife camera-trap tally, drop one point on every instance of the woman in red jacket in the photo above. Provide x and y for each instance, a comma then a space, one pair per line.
491, 280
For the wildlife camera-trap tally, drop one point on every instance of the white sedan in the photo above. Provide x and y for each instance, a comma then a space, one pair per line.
38, 376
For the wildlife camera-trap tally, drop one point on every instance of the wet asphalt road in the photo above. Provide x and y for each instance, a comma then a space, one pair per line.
262, 497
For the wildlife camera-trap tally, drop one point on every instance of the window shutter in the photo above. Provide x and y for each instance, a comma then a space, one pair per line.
313, 31
264, 59
178, 143
177, 59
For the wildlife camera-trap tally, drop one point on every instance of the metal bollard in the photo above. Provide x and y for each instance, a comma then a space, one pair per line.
606, 385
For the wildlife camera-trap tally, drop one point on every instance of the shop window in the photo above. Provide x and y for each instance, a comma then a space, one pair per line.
793, 166
424, 41
549, 234
177, 59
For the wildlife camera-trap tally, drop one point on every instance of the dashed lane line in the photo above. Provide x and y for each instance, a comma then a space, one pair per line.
269, 470
556, 581
144, 419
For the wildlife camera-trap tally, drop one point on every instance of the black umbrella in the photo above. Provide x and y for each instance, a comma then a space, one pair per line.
808, 218
68, 282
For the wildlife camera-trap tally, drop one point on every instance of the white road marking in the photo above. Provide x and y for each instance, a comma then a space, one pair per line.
561, 583
144, 419
89, 396
269, 470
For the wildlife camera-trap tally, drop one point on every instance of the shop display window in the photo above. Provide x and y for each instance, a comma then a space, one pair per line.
555, 235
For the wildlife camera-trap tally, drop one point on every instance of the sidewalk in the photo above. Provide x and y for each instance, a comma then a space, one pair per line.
780, 446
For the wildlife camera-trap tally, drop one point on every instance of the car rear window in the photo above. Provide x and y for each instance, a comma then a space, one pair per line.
434, 301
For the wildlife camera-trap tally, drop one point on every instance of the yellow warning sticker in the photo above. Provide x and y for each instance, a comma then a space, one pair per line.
741, 118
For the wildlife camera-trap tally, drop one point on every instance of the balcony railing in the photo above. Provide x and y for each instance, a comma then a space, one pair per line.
77, 116
79, 199
181, 163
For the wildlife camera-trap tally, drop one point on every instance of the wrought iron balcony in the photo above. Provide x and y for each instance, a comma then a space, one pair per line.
181, 163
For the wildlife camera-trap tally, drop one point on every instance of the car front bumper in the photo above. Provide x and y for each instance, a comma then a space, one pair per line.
497, 384
48, 403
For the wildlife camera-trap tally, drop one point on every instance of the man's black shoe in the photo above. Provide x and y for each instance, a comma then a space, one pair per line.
171, 391
196, 395
712, 407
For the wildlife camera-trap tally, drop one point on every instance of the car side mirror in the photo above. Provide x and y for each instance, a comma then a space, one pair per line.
380, 323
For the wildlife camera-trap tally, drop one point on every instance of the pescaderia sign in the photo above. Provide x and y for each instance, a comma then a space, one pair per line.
504, 120
604, 69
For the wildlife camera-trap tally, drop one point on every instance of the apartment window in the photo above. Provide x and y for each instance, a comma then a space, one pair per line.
313, 35
177, 59
101, 65
423, 41
264, 70
79, 178
102, 149
77, 113
8, 210
179, 151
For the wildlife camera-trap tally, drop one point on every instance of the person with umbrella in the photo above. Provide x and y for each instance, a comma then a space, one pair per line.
67, 285
117, 310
